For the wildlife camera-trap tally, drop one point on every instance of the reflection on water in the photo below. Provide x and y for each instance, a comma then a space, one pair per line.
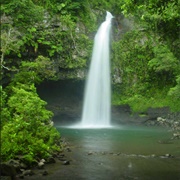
124, 153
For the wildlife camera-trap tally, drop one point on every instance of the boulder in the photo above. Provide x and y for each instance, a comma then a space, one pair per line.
41, 165
8, 170
44, 173
51, 160
27, 172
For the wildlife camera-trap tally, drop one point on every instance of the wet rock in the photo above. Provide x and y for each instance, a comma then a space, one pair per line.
28, 173
62, 159
51, 160
142, 156
116, 154
168, 155
18, 157
8, 170
153, 155
90, 153
41, 165
161, 120
61, 155
66, 162
130, 165
176, 135
55, 155
43, 160
68, 149
21, 176
23, 166
45, 173
21, 170
14, 163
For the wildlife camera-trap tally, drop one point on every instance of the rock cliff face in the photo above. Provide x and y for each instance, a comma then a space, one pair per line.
65, 99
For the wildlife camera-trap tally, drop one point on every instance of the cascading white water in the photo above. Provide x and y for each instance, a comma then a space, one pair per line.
96, 108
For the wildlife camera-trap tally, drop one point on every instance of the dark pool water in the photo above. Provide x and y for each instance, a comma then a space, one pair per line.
123, 152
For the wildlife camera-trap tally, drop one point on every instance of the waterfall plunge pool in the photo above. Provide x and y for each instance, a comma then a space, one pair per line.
124, 152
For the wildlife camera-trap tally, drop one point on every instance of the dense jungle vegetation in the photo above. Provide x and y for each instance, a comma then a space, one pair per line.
53, 39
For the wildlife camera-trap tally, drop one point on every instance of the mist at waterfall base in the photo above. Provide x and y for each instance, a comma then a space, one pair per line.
97, 99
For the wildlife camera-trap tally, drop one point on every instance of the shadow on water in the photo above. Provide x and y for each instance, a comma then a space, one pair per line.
123, 152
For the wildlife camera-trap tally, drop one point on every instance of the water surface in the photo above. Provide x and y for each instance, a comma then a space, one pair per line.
123, 153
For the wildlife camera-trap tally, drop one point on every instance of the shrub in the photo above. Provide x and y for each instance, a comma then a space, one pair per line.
29, 133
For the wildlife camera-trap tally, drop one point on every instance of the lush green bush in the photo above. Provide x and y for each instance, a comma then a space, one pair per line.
5, 114
26, 126
29, 132
174, 94
146, 57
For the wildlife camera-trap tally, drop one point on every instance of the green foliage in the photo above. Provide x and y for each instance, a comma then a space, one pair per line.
162, 10
26, 127
41, 37
160, 16
132, 59
24, 101
17, 139
174, 94
164, 60
24, 13
146, 57
5, 114
38, 38
29, 132
10, 41
151, 97
147, 72
140, 103
53, 29
34, 72
148, 69
10, 44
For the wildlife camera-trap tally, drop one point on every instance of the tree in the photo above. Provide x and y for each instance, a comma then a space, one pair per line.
23, 13
10, 44
160, 16
25, 118
29, 133
148, 55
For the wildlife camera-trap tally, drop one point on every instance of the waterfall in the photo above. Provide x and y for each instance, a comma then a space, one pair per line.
97, 100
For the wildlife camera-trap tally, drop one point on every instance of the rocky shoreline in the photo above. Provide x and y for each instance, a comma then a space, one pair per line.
160, 117
16, 169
